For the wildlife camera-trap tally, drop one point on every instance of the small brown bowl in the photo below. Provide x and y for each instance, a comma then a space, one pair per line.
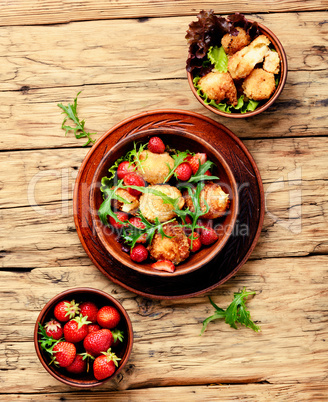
283, 76
181, 140
101, 299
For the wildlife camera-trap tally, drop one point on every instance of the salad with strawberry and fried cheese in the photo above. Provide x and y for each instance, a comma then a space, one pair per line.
162, 203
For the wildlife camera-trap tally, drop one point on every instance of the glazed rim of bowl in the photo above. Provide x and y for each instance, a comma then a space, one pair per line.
282, 80
139, 267
65, 378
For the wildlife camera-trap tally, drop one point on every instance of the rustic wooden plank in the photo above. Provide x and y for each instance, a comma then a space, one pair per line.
32, 120
78, 58
212, 392
47, 12
44, 234
290, 306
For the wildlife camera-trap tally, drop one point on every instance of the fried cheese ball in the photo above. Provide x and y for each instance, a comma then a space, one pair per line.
175, 248
243, 62
132, 202
219, 86
232, 44
271, 62
259, 85
152, 206
216, 199
154, 168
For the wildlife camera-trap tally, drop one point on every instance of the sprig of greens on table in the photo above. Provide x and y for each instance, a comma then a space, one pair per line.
236, 313
217, 57
130, 233
71, 114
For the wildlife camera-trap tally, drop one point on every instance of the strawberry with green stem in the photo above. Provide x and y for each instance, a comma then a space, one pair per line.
76, 329
66, 310
105, 365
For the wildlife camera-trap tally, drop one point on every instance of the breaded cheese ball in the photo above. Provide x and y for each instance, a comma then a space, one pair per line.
243, 62
154, 168
152, 206
271, 62
175, 248
259, 85
219, 86
232, 44
216, 199
132, 202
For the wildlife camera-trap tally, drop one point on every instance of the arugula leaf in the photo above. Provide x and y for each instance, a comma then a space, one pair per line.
178, 159
218, 57
47, 342
79, 131
235, 313
200, 174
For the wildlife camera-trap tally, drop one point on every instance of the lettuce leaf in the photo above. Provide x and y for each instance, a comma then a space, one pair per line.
218, 57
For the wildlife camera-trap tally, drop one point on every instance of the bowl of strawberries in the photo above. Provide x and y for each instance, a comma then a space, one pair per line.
83, 337
164, 202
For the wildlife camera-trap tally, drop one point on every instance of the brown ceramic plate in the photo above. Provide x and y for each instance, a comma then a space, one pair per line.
246, 229
282, 80
180, 140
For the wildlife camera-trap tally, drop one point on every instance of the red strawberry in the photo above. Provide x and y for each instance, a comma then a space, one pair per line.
208, 236
76, 329
139, 253
108, 317
183, 172
125, 168
90, 310
53, 328
194, 161
105, 365
66, 310
93, 328
164, 265
156, 145
78, 366
118, 336
196, 243
132, 179
137, 222
64, 353
208, 173
122, 216
98, 341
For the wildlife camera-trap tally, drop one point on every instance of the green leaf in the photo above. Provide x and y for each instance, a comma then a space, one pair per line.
200, 174
71, 114
178, 159
47, 342
218, 57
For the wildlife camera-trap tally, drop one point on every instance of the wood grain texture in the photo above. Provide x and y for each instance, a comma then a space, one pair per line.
48, 12
290, 307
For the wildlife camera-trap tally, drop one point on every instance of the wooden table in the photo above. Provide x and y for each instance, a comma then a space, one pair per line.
128, 57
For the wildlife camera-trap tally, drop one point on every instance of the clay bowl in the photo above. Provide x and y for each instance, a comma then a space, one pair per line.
261, 108
180, 140
101, 299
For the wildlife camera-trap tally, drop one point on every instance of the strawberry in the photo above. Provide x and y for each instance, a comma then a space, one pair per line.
195, 160
89, 310
93, 328
78, 366
65, 353
139, 253
208, 236
122, 216
53, 328
118, 336
196, 243
137, 222
66, 310
156, 145
76, 329
105, 365
125, 168
183, 172
108, 317
98, 341
132, 179
164, 265
208, 173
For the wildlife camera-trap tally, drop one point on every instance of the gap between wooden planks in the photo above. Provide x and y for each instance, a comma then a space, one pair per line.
290, 306
48, 12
